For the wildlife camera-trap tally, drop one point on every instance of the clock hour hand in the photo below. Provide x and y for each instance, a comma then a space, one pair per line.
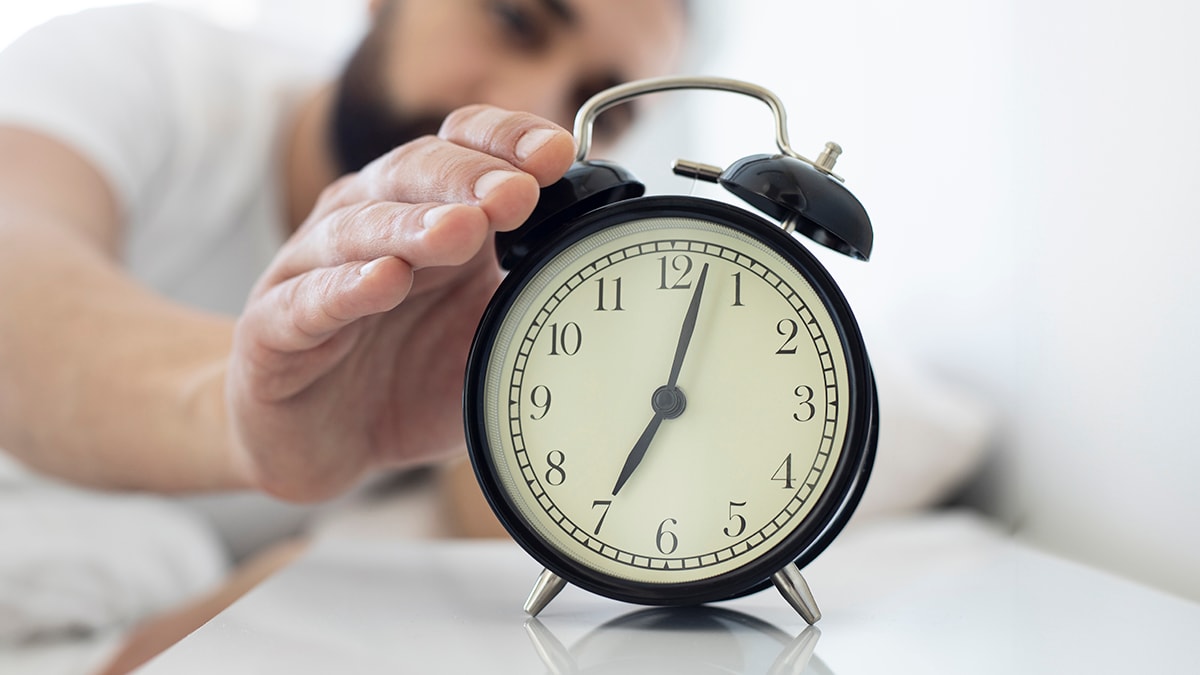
638, 452
668, 401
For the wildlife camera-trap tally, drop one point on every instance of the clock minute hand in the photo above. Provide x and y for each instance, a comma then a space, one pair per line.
689, 327
668, 402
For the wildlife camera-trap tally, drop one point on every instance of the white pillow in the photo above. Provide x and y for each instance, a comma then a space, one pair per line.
79, 562
933, 436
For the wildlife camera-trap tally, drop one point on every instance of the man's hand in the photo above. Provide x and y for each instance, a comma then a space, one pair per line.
351, 351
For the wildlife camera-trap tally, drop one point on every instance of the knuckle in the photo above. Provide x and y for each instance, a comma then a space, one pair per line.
353, 231
335, 193
464, 117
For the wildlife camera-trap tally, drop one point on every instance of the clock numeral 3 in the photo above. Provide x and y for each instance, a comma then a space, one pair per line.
566, 341
807, 409
556, 474
666, 541
681, 265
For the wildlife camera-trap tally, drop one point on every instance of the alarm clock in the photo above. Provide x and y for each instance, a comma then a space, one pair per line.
668, 400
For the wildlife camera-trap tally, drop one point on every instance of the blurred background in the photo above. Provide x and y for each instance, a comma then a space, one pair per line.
1030, 168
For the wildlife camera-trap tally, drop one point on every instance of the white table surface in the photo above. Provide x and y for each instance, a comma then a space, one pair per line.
934, 594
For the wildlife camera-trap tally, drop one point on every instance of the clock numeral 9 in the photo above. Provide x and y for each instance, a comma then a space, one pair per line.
568, 339
540, 398
737, 517
681, 264
556, 474
807, 409
666, 541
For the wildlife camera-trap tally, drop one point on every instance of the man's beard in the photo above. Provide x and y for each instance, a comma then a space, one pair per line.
364, 124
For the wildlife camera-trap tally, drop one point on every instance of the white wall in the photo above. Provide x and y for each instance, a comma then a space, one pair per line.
1031, 169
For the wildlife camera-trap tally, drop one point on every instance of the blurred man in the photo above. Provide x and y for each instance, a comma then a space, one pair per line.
223, 271
124, 185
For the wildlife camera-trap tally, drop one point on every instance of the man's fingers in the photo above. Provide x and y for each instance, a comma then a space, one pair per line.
304, 311
432, 202
302, 327
422, 235
432, 169
453, 167
538, 147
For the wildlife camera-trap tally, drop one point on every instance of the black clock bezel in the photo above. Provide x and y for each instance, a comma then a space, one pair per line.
833, 507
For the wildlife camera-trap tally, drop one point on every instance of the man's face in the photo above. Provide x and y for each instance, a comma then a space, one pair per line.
424, 58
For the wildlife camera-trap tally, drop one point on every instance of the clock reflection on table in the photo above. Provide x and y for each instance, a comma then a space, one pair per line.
691, 640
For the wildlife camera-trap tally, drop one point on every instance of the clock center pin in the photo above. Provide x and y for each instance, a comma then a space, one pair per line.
668, 401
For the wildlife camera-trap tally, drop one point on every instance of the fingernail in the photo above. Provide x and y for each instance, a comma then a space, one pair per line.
366, 270
434, 215
492, 180
532, 141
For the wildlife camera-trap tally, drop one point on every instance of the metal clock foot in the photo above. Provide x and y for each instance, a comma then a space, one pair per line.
795, 590
547, 586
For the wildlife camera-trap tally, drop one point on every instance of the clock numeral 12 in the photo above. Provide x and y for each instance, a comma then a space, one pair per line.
681, 264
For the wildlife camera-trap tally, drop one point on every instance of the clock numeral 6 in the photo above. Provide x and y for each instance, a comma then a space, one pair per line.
666, 541
566, 340
540, 398
737, 517
556, 474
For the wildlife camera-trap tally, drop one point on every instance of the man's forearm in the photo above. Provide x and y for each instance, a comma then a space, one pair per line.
102, 382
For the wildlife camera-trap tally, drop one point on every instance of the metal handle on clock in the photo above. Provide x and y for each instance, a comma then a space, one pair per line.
625, 92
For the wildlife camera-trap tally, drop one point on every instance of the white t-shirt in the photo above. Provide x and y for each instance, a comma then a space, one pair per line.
186, 121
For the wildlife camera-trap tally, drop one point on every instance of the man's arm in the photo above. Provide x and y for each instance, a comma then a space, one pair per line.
350, 352
102, 382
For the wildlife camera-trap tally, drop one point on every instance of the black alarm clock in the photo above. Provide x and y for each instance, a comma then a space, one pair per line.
668, 400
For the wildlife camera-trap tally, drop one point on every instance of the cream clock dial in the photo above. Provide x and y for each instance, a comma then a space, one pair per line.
644, 470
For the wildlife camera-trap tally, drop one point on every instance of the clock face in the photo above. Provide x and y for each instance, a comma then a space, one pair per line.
665, 401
